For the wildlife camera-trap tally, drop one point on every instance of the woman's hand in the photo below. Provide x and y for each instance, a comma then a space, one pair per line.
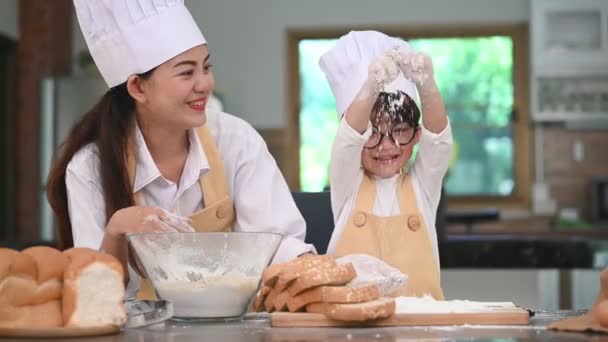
138, 220
146, 220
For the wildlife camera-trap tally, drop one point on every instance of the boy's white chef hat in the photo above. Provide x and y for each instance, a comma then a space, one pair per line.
346, 65
127, 37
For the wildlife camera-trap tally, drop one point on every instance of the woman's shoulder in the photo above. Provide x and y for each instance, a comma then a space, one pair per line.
85, 161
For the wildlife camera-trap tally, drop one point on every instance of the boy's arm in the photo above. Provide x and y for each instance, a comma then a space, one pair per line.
418, 67
436, 138
355, 129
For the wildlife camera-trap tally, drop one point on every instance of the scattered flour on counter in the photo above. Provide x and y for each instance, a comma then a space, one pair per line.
428, 304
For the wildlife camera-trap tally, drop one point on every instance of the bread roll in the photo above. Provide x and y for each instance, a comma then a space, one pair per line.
93, 290
46, 315
16, 264
50, 264
18, 278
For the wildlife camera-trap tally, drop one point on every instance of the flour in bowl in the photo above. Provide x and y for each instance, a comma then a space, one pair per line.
211, 297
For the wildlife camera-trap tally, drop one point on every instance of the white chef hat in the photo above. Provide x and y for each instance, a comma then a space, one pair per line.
127, 37
346, 65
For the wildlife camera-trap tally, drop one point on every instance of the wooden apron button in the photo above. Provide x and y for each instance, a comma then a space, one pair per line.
360, 220
413, 222
222, 212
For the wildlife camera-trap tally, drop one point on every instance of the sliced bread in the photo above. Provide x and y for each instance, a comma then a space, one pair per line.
358, 312
338, 275
333, 294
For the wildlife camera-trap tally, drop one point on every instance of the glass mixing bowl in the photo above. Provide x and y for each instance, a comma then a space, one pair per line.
205, 275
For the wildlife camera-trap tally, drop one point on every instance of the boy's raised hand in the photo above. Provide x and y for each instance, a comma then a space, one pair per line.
417, 67
384, 69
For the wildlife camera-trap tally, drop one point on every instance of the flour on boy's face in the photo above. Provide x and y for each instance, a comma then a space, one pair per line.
394, 134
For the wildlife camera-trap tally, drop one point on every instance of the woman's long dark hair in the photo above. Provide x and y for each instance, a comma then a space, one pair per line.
108, 125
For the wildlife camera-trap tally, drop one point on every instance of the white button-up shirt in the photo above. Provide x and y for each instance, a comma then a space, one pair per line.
260, 194
426, 173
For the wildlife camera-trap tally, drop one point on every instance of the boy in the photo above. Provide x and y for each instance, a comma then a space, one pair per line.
379, 208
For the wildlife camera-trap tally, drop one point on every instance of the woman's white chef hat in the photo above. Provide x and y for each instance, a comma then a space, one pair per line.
346, 65
127, 37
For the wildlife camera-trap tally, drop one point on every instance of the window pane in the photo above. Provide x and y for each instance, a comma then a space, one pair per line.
474, 76
318, 118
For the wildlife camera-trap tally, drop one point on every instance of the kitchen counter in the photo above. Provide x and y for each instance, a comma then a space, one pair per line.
257, 328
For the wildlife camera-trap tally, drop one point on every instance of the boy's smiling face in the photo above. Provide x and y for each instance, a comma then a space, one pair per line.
389, 157
395, 132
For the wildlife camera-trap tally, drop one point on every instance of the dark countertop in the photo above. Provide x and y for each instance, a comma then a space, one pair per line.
515, 251
258, 329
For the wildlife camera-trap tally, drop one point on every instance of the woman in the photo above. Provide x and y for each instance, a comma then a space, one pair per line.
149, 147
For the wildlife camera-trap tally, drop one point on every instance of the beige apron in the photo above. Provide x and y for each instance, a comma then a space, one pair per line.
402, 241
218, 214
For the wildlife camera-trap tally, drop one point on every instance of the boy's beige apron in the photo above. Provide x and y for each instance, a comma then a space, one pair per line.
402, 241
218, 214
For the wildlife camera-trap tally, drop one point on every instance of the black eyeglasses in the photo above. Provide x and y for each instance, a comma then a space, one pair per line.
401, 134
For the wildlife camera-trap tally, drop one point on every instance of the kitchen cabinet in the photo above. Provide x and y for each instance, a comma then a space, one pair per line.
569, 59
569, 36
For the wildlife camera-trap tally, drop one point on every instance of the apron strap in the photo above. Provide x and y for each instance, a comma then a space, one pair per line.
367, 194
214, 185
406, 195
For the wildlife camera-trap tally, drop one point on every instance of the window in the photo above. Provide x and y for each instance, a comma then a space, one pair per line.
482, 76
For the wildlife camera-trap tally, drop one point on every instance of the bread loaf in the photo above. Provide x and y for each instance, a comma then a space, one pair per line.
42, 287
93, 290
358, 312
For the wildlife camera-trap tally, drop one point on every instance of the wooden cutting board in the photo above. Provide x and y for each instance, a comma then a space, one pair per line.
59, 332
498, 316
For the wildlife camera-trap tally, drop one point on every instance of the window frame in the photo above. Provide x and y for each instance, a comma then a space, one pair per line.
523, 165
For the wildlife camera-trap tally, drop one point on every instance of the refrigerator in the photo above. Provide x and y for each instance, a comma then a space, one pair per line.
64, 100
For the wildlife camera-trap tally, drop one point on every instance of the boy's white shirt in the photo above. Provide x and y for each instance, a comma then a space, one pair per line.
427, 174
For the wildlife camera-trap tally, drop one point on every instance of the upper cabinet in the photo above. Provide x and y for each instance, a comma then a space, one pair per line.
570, 36
569, 54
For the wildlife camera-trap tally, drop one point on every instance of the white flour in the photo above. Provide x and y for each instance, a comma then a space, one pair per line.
223, 296
384, 69
427, 304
